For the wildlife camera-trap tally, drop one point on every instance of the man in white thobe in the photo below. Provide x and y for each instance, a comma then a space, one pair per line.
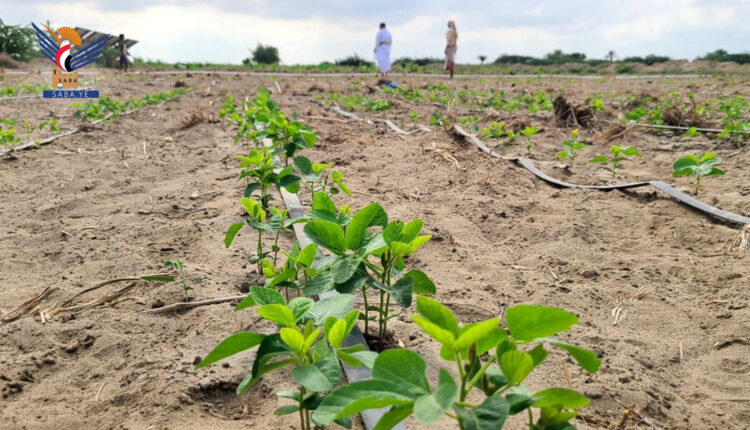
383, 50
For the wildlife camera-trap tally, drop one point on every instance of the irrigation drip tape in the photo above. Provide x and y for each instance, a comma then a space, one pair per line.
353, 374
660, 185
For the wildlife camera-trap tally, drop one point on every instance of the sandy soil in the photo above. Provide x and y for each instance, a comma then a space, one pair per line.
500, 237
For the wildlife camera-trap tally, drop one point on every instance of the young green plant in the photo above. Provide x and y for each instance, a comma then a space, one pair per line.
309, 340
365, 259
185, 283
489, 359
619, 154
697, 167
572, 146
527, 133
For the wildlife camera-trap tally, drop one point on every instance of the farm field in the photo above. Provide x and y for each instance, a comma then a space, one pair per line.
116, 200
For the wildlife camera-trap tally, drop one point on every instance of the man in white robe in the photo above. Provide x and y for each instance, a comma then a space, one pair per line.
383, 50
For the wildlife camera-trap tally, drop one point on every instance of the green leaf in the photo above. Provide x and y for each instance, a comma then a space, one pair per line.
303, 164
430, 407
528, 322
307, 255
293, 339
300, 306
560, 397
400, 291
287, 409
715, 171
323, 375
401, 248
630, 151
496, 378
335, 306
422, 284
519, 398
326, 234
437, 313
491, 340
337, 333
599, 159
358, 358
266, 296
371, 215
516, 366
392, 232
272, 346
585, 358
404, 367
344, 266
355, 282
233, 344
475, 333
538, 354
359, 396
687, 171
157, 278
277, 313
319, 284
247, 302
322, 201
411, 230
490, 415
394, 416
436, 332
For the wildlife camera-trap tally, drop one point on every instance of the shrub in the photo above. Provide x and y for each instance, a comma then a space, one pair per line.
264, 55
354, 60
18, 42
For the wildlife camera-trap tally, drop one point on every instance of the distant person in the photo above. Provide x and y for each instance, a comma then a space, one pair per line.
451, 37
383, 50
123, 52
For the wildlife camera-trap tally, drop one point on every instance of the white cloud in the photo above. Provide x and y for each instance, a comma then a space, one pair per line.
310, 32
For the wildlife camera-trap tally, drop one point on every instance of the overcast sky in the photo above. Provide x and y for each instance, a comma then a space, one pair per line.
315, 31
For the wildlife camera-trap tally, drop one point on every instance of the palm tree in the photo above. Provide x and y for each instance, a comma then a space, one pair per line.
611, 55
482, 58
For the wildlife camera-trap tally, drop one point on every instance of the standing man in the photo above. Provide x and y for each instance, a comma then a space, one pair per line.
451, 37
383, 50
123, 52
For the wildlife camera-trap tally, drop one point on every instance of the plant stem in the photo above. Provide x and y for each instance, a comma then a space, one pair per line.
479, 374
301, 409
367, 312
260, 251
380, 321
462, 376
385, 318
531, 418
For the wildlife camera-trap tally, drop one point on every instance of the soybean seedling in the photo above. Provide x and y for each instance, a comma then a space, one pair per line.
490, 360
8, 135
692, 132
527, 133
573, 146
413, 116
309, 340
618, 154
185, 283
690, 165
